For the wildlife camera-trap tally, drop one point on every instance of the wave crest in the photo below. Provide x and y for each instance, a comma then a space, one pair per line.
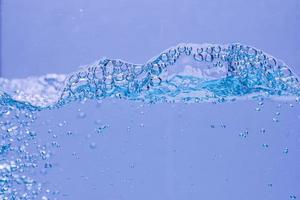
187, 72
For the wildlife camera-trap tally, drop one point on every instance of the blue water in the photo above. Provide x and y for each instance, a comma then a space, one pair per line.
185, 74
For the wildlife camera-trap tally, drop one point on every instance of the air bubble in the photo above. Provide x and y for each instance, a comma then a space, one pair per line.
198, 57
244, 134
270, 185
102, 128
164, 57
181, 49
265, 146
93, 145
262, 130
208, 58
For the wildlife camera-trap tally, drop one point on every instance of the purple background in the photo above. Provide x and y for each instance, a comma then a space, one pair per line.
176, 155
57, 36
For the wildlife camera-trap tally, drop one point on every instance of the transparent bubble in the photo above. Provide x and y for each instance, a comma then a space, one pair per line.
93, 145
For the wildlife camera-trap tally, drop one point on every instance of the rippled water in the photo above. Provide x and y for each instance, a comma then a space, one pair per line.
187, 88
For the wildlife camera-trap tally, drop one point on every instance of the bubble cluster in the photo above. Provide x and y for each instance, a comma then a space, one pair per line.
187, 72
20, 155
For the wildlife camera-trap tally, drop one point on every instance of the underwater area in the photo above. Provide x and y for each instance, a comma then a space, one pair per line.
204, 120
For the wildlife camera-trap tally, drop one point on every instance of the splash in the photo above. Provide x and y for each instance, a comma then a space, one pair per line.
187, 72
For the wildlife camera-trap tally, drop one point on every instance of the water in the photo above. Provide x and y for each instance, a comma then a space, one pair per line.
198, 121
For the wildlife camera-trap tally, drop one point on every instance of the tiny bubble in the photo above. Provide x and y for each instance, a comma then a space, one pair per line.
244, 134
102, 128
48, 165
265, 146
93, 145
88, 136
131, 166
263, 130
286, 150
81, 115
270, 184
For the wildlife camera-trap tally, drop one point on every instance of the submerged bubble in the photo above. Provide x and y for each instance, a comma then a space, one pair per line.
270, 185
244, 134
265, 146
93, 145
102, 128
263, 130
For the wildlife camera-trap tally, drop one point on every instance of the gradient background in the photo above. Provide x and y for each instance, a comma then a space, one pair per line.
181, 151
58, 36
